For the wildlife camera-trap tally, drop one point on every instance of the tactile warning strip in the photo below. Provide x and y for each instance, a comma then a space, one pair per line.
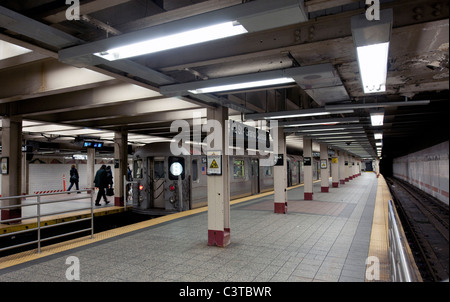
379, 239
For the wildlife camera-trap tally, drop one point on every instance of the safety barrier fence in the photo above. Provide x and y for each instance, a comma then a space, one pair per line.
39, 216
403, 267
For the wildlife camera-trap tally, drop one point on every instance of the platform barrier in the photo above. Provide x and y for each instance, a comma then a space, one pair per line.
403, 266
39, 215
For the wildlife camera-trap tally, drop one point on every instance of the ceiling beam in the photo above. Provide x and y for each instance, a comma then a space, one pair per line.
83, 99
46, 77
85, 9
152, 108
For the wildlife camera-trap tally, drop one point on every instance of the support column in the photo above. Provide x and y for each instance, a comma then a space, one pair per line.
341, 168
120, 165
25, 174
90, 169
324, 169
11, 166
347, 167
307, 166
335, 170
218, 185
377, 167
359, 167
280, 176
350, 167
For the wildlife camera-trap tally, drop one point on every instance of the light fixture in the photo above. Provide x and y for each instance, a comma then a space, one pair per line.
233, 83
301, 124
184, 38
372, 61
377, 117
376, 105
321, 122
245, 85
234, 20
294, 114
378, 135
371, 39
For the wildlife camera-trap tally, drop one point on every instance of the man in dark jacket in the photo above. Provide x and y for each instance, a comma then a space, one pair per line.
101, 183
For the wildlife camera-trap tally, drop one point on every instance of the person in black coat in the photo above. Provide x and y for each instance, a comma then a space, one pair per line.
109, 181
74, 178
101, 183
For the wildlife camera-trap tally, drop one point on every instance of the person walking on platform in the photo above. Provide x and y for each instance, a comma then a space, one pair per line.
109, 176
101, 183
109, 182
74, 178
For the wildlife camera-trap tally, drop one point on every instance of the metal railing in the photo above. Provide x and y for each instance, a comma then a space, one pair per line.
403, 267
39, 215
128, 194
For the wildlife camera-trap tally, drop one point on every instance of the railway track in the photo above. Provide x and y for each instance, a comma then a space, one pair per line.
426, 223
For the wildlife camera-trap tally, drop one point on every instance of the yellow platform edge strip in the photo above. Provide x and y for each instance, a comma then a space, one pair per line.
379, 238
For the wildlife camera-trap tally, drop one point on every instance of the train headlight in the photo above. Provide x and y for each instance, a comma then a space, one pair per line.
176, 168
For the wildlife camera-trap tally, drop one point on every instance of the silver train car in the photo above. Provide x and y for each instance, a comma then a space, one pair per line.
164, 184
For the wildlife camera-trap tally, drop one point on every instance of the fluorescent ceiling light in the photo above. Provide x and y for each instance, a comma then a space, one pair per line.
379, 144
322, 130
377, 118
185, 38
296, 115
378, 135
372, 60
335, 134
244, 85
371, 39
310, 124
322, 122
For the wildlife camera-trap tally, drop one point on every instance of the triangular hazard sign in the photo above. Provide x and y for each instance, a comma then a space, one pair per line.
214, 165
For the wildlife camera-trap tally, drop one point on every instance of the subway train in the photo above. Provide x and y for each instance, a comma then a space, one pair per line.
164, 184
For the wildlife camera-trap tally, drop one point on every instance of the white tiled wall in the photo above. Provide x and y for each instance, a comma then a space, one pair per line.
49, 177
427, 169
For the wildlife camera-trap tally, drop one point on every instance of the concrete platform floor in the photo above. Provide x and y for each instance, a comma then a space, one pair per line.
326, 239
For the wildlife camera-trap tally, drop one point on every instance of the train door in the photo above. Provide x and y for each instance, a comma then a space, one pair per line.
254, 175
158, 179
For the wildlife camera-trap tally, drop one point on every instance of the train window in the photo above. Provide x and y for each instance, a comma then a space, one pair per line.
159, 169
268, 171
137, 168
238, 171
194, 170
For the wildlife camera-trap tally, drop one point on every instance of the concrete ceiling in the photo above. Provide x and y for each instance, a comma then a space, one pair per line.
40, 87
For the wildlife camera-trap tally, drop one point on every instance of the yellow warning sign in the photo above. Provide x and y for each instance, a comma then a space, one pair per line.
214, 165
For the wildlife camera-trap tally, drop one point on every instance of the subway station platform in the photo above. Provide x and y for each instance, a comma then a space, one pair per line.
327, 239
